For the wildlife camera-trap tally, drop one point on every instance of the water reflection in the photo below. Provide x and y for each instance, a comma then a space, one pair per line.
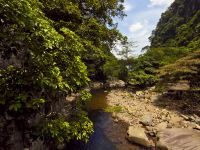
107, 135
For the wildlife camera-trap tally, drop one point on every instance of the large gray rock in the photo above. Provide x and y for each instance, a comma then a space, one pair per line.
137, 135
178, 139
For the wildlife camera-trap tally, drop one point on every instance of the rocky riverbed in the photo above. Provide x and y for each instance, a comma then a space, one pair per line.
151, 117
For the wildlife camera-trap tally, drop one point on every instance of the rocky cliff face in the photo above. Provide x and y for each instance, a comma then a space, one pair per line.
178, 26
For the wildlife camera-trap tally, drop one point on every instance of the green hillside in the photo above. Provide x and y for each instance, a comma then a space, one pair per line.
177, 35
179, 26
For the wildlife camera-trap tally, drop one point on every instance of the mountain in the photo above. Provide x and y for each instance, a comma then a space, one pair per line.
178, 26
177, 35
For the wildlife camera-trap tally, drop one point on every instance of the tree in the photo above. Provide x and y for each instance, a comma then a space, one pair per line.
45, 47
127, 49
124, 50
92, 21
178, 26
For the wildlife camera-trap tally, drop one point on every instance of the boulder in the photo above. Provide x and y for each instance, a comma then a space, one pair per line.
137, 135
178, 139
146, 120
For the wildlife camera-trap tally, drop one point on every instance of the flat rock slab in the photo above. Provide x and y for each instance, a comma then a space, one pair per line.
137, 135
179, 139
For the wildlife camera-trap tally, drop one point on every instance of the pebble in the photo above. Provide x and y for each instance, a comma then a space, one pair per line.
197, 127
185, 117
116, 120
143, 111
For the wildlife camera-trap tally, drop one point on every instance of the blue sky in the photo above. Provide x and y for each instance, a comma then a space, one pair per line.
142, 18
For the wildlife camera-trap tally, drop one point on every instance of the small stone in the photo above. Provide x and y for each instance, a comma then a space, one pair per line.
146, 120
185, 117
197, 127
8, 117
61, 146
138, 93
192, 118
163, 118
175, 119
152, 134
198, 121
169, 125
114, 114
116, 120
152, 88
155, 97
148, 128
162, 125
196, 116
192, 125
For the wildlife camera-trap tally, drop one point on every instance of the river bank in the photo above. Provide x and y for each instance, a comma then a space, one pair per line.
120, 115
152, 112
137, 106
108, 134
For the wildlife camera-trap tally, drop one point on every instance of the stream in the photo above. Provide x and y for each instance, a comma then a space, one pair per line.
108, 135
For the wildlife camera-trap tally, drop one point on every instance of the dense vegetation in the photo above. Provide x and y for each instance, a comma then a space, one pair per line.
187, 68
179, 26
48, 50
177, 34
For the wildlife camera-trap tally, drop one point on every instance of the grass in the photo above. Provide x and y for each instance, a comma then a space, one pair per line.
160, 88
116, 109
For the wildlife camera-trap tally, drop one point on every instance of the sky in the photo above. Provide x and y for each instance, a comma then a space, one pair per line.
142, 17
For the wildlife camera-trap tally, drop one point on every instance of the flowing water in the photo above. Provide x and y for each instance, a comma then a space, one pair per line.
108, 135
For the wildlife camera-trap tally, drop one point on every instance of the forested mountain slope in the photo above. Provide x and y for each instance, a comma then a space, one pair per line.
177, 34
186, 68
178, 26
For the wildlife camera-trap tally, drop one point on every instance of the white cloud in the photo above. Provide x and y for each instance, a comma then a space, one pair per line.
140, 22
160, 3
141, 36
128, 7
141, 30
149, 14
135, 27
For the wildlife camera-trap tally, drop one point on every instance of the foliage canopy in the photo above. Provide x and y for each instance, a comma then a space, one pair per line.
45, 49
